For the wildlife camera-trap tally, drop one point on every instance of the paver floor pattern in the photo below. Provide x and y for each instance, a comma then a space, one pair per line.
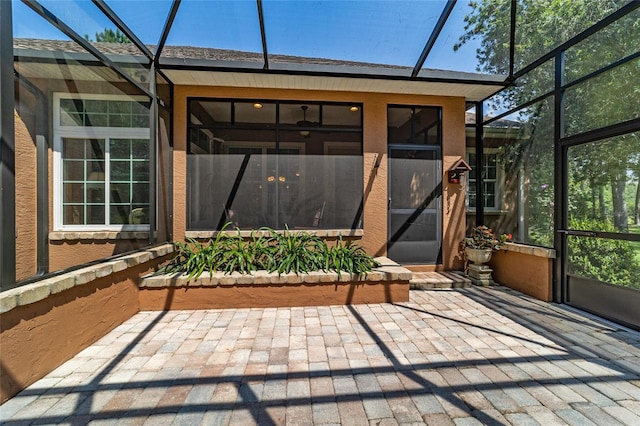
464, 357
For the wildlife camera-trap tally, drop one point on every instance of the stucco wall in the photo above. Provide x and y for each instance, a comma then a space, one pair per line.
38, 337
67, 253
26, 201
374, 239
527, 273
270, 296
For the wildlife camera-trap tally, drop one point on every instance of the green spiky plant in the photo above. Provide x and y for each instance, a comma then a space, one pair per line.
349, 257
282, 252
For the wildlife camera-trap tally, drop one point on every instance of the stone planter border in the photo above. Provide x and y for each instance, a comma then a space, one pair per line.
389, 282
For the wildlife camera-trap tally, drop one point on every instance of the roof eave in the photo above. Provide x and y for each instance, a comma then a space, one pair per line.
331, 70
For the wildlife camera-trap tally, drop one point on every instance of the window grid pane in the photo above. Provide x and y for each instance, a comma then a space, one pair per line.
84, 187
490, 173
104, 113
129, 178
83, 184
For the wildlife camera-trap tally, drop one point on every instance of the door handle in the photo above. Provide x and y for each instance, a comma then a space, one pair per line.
578, 233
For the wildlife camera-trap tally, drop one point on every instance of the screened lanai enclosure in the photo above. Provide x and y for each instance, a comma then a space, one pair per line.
127, 124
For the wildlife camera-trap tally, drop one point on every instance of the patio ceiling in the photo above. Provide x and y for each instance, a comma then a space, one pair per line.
381, 46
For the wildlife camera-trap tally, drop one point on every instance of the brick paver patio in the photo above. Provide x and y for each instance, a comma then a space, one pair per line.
468, 356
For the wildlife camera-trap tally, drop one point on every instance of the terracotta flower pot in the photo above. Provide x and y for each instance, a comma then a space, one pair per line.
478, 256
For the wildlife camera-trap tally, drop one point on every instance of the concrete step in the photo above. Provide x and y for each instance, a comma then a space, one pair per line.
436, 280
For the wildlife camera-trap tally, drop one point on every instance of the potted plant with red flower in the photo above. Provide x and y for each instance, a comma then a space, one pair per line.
482, 242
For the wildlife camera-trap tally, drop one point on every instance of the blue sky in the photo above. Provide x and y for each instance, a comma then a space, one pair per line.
389, 31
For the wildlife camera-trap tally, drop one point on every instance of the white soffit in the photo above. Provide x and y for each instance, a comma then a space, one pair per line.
470, 91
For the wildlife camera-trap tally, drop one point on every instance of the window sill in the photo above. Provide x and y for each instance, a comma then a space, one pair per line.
98, 235
489, 212
530, 250
40, 290
325, 233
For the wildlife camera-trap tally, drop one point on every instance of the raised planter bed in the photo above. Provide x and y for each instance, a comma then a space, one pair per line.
525, 268
388, 283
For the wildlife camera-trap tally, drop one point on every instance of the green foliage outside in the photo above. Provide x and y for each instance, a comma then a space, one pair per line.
635, 229
603, 176
541, 25
298, 252
109, 36
610, 261
591, 209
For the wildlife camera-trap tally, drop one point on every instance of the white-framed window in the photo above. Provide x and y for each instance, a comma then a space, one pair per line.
101, 162
493, 172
